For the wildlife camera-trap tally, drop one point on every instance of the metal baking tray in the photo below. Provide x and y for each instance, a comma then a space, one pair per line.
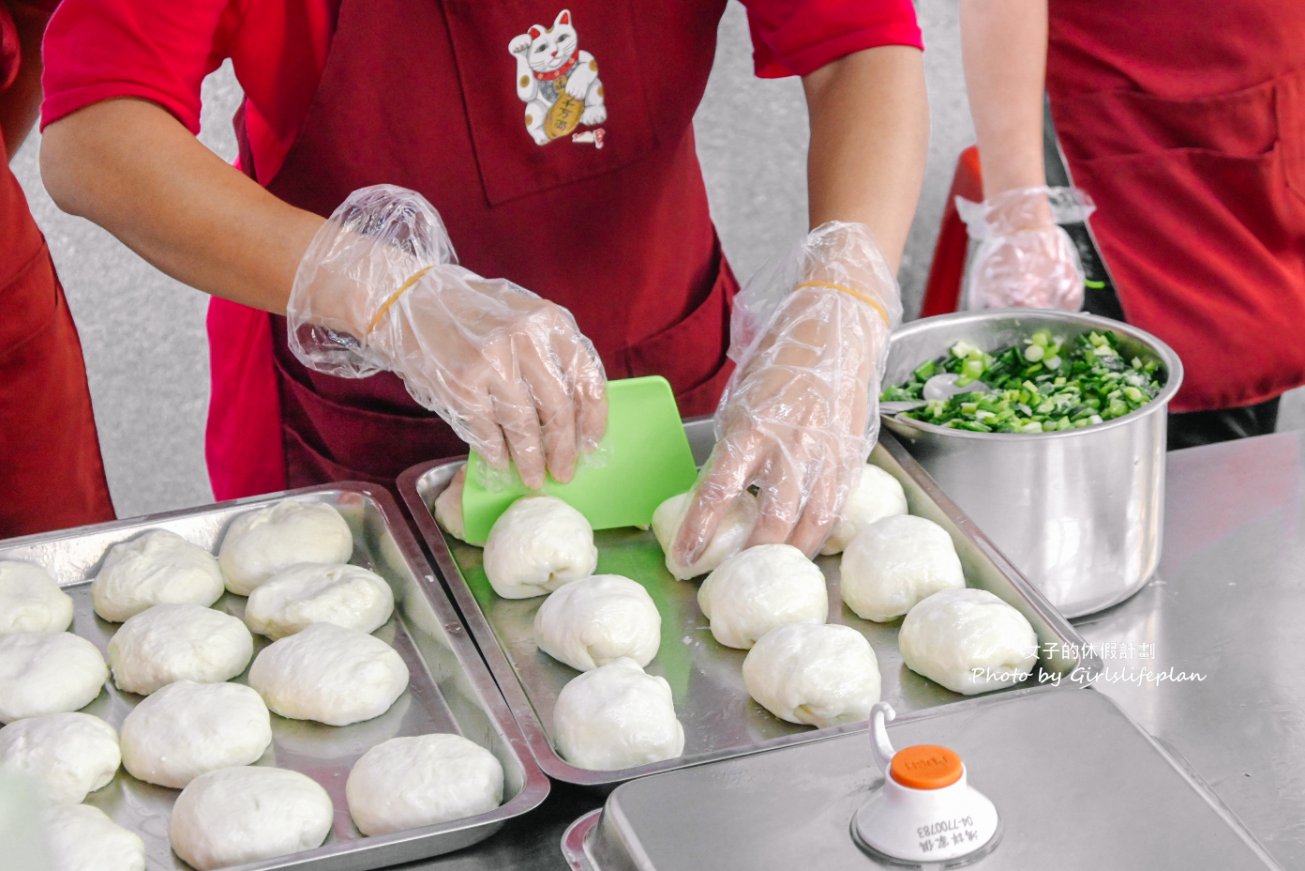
720, 719
1078, 786
450, 690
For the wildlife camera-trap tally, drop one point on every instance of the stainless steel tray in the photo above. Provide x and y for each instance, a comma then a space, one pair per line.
450, 690
1078, 786
720, 719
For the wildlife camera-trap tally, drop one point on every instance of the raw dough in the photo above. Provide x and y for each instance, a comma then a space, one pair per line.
407, 783
156, 568
47, 673
894, 563
536, 546
261, 543
731, 535
448, 506
876, 496
178, 642
951, 634
591, 622
187, 729
329, 674
68, 755
815, 675
348, 596
760, 588
222, 818
31, 601
616, 716
82, 838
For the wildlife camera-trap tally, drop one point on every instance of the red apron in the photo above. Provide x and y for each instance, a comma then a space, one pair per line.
426, 95
51, 475
1185, 121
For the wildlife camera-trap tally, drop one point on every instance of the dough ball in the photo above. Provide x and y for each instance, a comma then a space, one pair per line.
876, 496
894, 563
448, 506
262, 542
47, 673
731, 535
330, 674
616, 716
238, 815
969, 641
187, 729
156, 568
178, 642
82, 838
539, 544
68, 755
31, 601
814, 675
591, 622
760, 588
293, 598
407, 783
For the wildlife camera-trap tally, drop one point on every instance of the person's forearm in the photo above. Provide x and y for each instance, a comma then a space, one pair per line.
1004, 45
132, 168
869, 138
20, 102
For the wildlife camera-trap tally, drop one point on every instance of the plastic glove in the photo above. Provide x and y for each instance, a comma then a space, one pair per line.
810, 334
379, 288
1023, 258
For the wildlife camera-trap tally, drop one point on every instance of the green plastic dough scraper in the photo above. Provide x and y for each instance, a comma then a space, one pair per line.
644, 459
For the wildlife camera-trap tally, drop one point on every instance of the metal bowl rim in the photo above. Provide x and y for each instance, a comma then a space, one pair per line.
1173, 366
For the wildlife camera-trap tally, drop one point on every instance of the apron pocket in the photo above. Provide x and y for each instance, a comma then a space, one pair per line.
522, 117
1291, 130
691, 353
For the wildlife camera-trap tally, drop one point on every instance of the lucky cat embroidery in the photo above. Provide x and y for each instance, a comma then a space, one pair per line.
557, 81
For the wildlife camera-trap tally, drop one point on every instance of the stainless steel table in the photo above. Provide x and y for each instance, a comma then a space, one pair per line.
1226, 607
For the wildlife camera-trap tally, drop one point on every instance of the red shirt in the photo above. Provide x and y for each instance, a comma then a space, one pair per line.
161, 50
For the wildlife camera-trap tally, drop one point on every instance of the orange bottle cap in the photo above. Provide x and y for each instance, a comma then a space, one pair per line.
926, 766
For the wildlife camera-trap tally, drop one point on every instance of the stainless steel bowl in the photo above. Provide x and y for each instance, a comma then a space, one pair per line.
1080, 512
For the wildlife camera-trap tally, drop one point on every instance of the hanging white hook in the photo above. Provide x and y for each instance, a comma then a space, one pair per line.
880, 716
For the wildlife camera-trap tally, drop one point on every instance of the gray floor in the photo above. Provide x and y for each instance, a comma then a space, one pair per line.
144, 333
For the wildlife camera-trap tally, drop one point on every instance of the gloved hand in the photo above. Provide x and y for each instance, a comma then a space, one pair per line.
800, 414
1024, 259
379, 288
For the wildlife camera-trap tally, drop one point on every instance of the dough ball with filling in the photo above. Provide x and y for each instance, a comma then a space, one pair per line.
407, 783
47, 673
593, 621
894, 563
536, 546
67, 755
156, 568
295, 597
760, 588
616, 716
876, 496
969, 641
329, 674
448, 506
237, 815
178, 642
260, 543
30, 600
83, 838
814, 675
730, 536
187, 729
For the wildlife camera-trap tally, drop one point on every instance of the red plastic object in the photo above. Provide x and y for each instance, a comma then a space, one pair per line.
942, 292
